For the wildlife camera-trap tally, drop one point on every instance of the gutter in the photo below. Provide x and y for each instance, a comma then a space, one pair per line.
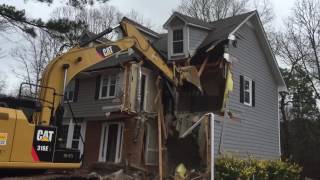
239, 26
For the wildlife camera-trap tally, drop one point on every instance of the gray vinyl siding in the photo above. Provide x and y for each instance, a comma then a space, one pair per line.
256, 131
196, 36
87, 105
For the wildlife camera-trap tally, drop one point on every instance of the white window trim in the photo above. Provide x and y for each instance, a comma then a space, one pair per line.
149, 149
250, 91
66, 90
71, 125
119, 139
183, 41
108, 89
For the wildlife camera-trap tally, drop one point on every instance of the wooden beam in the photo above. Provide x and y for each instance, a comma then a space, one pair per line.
163, 125
203, 65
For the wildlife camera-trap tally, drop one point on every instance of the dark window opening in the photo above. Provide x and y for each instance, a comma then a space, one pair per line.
177, 41
142, 93
112, 143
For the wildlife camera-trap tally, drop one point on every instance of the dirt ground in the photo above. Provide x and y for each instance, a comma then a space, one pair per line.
67, 175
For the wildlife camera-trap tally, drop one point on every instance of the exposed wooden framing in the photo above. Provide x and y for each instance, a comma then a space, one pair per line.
163, 125
203, 65
125, 96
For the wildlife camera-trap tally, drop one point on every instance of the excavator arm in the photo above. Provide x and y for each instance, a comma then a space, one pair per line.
63, 68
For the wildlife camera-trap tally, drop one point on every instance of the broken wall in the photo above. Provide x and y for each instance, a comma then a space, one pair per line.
213, 83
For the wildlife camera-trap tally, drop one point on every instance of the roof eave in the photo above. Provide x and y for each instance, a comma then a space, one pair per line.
282, 87
166, 24
198, 26
154, 34
274, 65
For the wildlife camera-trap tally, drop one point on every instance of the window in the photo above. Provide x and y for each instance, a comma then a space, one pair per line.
111, 142
71, 134
108, 87
247, 91
151, 153
76, 136
64, 135
177, 41
69, 92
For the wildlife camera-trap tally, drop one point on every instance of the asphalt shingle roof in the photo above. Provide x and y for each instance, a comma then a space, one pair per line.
222, 28
219, 32
141, 26
194, 21
113, 61
87, 35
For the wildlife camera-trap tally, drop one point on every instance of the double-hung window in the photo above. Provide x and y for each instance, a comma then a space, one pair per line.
71, 133
247, 91
108, 86
177, 41
76, 136
69, 92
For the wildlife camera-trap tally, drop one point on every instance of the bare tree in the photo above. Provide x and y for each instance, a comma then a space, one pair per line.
303, 32
1, 54
3, 84
33, 57
297, 48
139, 18
98, 19
212, 10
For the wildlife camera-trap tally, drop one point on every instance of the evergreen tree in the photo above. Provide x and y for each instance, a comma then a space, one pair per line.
303, 125
59, 28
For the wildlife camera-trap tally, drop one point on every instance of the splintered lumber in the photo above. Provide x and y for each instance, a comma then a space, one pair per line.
203, 65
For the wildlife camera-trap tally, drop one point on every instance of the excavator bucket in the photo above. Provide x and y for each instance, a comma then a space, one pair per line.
190, 74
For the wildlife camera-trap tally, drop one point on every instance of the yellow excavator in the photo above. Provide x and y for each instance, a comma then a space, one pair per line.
29, 128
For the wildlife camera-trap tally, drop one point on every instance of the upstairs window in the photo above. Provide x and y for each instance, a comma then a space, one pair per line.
177, 41
247, 91
108, 87
70, 92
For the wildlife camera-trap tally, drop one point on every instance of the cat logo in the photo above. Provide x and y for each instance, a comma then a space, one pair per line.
44, 135
107, 51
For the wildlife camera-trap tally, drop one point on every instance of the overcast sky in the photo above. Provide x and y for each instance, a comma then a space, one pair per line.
157, 11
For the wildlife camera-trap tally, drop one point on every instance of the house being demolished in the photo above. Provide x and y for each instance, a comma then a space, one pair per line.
130, 115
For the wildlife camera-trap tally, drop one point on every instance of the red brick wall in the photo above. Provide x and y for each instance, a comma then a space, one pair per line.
132, 151
92, 142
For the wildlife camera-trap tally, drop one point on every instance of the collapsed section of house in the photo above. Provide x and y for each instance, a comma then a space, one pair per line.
138, 117
154, 114
145, 115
